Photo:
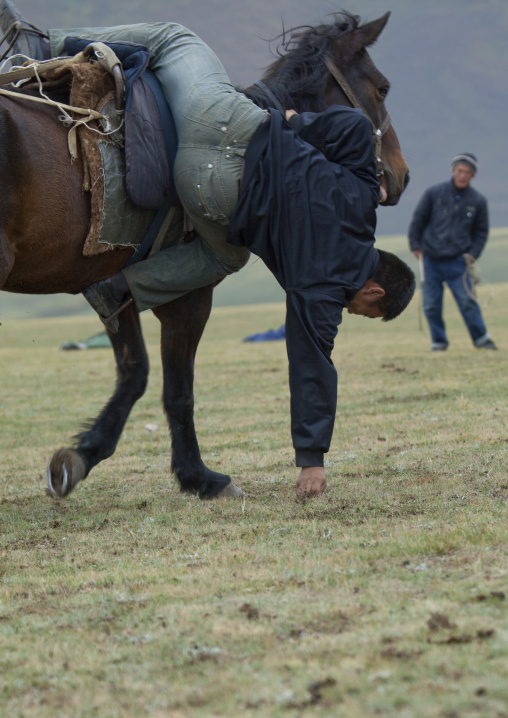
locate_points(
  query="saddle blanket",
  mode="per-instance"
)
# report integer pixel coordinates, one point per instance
(127, 165)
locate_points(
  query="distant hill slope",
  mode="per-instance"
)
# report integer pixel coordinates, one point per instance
(252, 285)
(447, 62)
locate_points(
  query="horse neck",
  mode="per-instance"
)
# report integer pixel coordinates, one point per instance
(301, 84)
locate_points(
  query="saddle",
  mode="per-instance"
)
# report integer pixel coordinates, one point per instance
(150, 133)
(127, 157)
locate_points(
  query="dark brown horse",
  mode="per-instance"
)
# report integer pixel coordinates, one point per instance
(44, 219)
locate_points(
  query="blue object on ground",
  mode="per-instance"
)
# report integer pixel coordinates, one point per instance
(269, 336)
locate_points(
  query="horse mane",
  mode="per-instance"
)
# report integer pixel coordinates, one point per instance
(298, 77)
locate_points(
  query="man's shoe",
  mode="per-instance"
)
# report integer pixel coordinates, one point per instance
(438, 347)
(489, 344)
(109, 297)
(19, 36)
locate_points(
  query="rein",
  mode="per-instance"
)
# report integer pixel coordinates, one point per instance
(89, 115)
(105, 57)
(270, 96)
(377, 132)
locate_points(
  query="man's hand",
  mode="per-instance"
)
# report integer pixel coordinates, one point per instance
(418, 253)
(469, 259)
(311, 482)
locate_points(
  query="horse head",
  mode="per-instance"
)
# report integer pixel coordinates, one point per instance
(329, 65)
(370, 87)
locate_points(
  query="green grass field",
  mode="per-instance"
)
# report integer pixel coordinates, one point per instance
(388, 596)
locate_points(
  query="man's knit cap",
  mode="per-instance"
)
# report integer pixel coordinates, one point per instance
(468, 159)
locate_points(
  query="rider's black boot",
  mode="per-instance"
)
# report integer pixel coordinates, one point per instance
(109, 297)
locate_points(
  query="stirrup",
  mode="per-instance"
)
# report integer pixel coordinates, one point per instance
(106, 320)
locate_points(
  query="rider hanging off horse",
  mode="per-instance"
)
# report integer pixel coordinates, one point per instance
(300, 191)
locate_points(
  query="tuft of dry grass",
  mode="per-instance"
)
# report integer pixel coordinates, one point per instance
(387, 596)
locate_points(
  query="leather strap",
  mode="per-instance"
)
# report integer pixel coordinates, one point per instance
(377, 132)
(271, 97)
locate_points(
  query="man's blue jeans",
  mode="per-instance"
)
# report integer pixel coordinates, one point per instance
(454, 273)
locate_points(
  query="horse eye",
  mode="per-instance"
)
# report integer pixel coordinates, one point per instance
(383, 91)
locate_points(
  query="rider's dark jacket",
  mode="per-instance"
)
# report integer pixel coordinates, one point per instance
(307, 208)
(448, 222)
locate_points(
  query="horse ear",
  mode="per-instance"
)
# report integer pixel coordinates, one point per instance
(367, 34)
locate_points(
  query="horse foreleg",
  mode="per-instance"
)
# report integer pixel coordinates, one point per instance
(182, 324)
(69, 466)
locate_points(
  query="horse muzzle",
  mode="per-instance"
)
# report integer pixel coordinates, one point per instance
(393, 186)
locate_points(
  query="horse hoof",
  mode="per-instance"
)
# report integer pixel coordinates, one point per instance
(230, 492)
(65, 470)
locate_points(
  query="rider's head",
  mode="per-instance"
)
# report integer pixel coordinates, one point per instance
(388, 292)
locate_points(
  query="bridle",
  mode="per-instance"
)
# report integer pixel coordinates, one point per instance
(377, 132)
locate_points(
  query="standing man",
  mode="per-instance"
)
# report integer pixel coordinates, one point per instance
(448, 231)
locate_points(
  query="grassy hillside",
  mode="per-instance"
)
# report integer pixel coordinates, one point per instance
(253, 285)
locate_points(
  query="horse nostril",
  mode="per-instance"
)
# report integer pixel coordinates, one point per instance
(406, 179)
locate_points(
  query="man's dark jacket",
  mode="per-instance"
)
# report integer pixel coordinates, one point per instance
(448, 222)
(307, 208)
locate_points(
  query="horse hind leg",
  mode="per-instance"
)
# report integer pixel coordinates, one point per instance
(70, 465)
(182, 325)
